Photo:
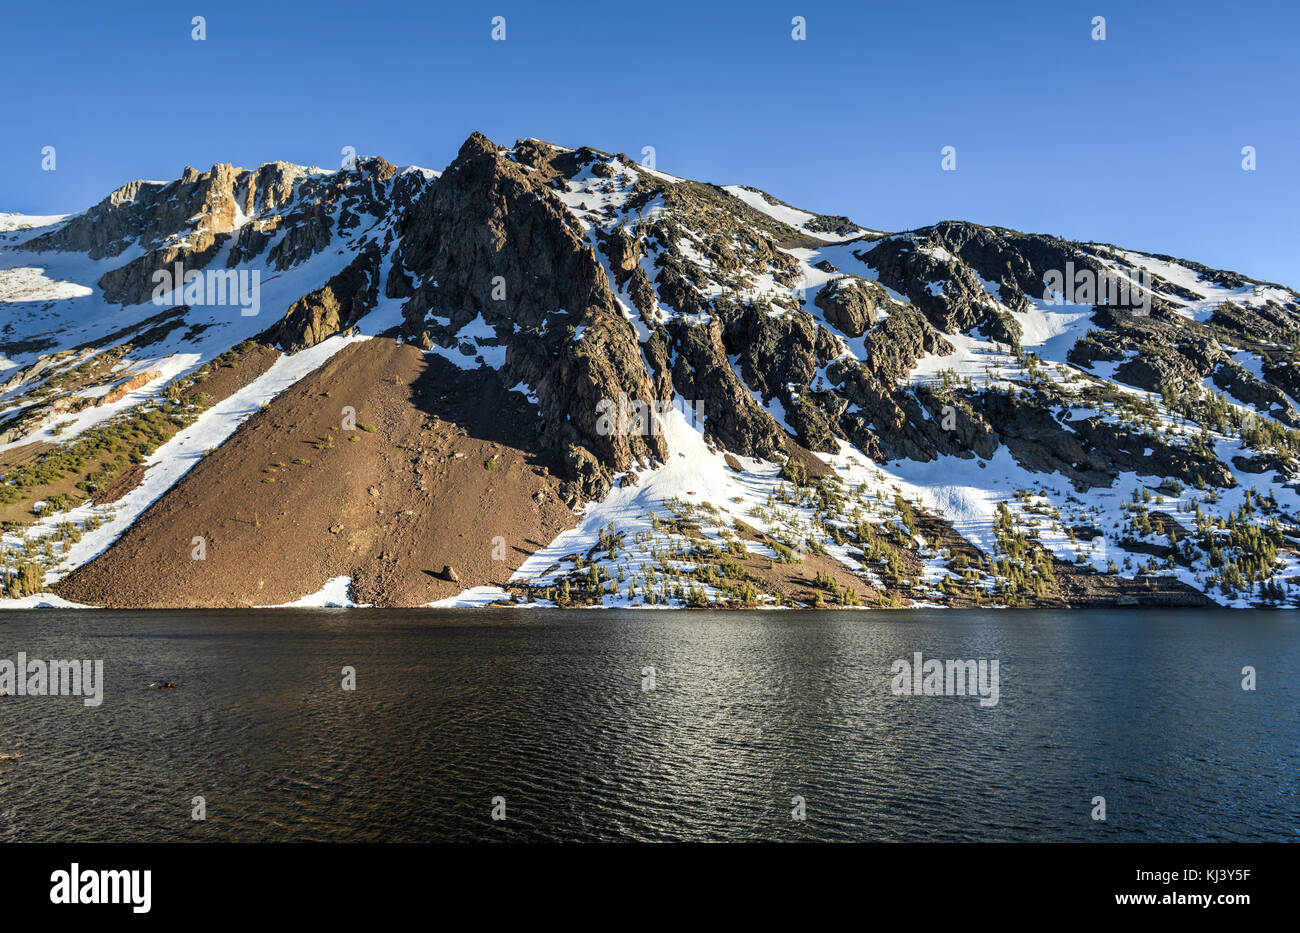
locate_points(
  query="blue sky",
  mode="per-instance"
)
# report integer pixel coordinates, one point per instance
(1135, 140)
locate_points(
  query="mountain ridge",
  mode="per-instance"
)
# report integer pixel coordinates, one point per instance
(833, 390)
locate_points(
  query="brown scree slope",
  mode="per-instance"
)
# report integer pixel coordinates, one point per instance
(388, 507)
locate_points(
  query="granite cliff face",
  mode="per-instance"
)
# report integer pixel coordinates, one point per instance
(955, 414)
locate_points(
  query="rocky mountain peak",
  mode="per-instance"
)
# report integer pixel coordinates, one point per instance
(981, 369)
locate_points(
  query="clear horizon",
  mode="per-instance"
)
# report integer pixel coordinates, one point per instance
(1135, 140)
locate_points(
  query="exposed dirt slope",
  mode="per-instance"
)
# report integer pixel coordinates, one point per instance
(291, 500)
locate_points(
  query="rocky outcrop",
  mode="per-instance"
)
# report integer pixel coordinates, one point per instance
(946, 290)
(703, 372)
(201, 204)
(490, 240)
(884, 421)
(340, 303)
(23, 422)
(849, 303)
(122, 389)
(189, 221)
(1234, 379)
(773, 350)
(1155, 365)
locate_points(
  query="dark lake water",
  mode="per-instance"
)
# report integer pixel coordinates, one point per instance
(547, 710)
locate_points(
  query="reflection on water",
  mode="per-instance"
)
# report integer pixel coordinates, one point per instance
(748, 710)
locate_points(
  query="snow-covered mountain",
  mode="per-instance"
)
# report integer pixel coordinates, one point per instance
(557, 376)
